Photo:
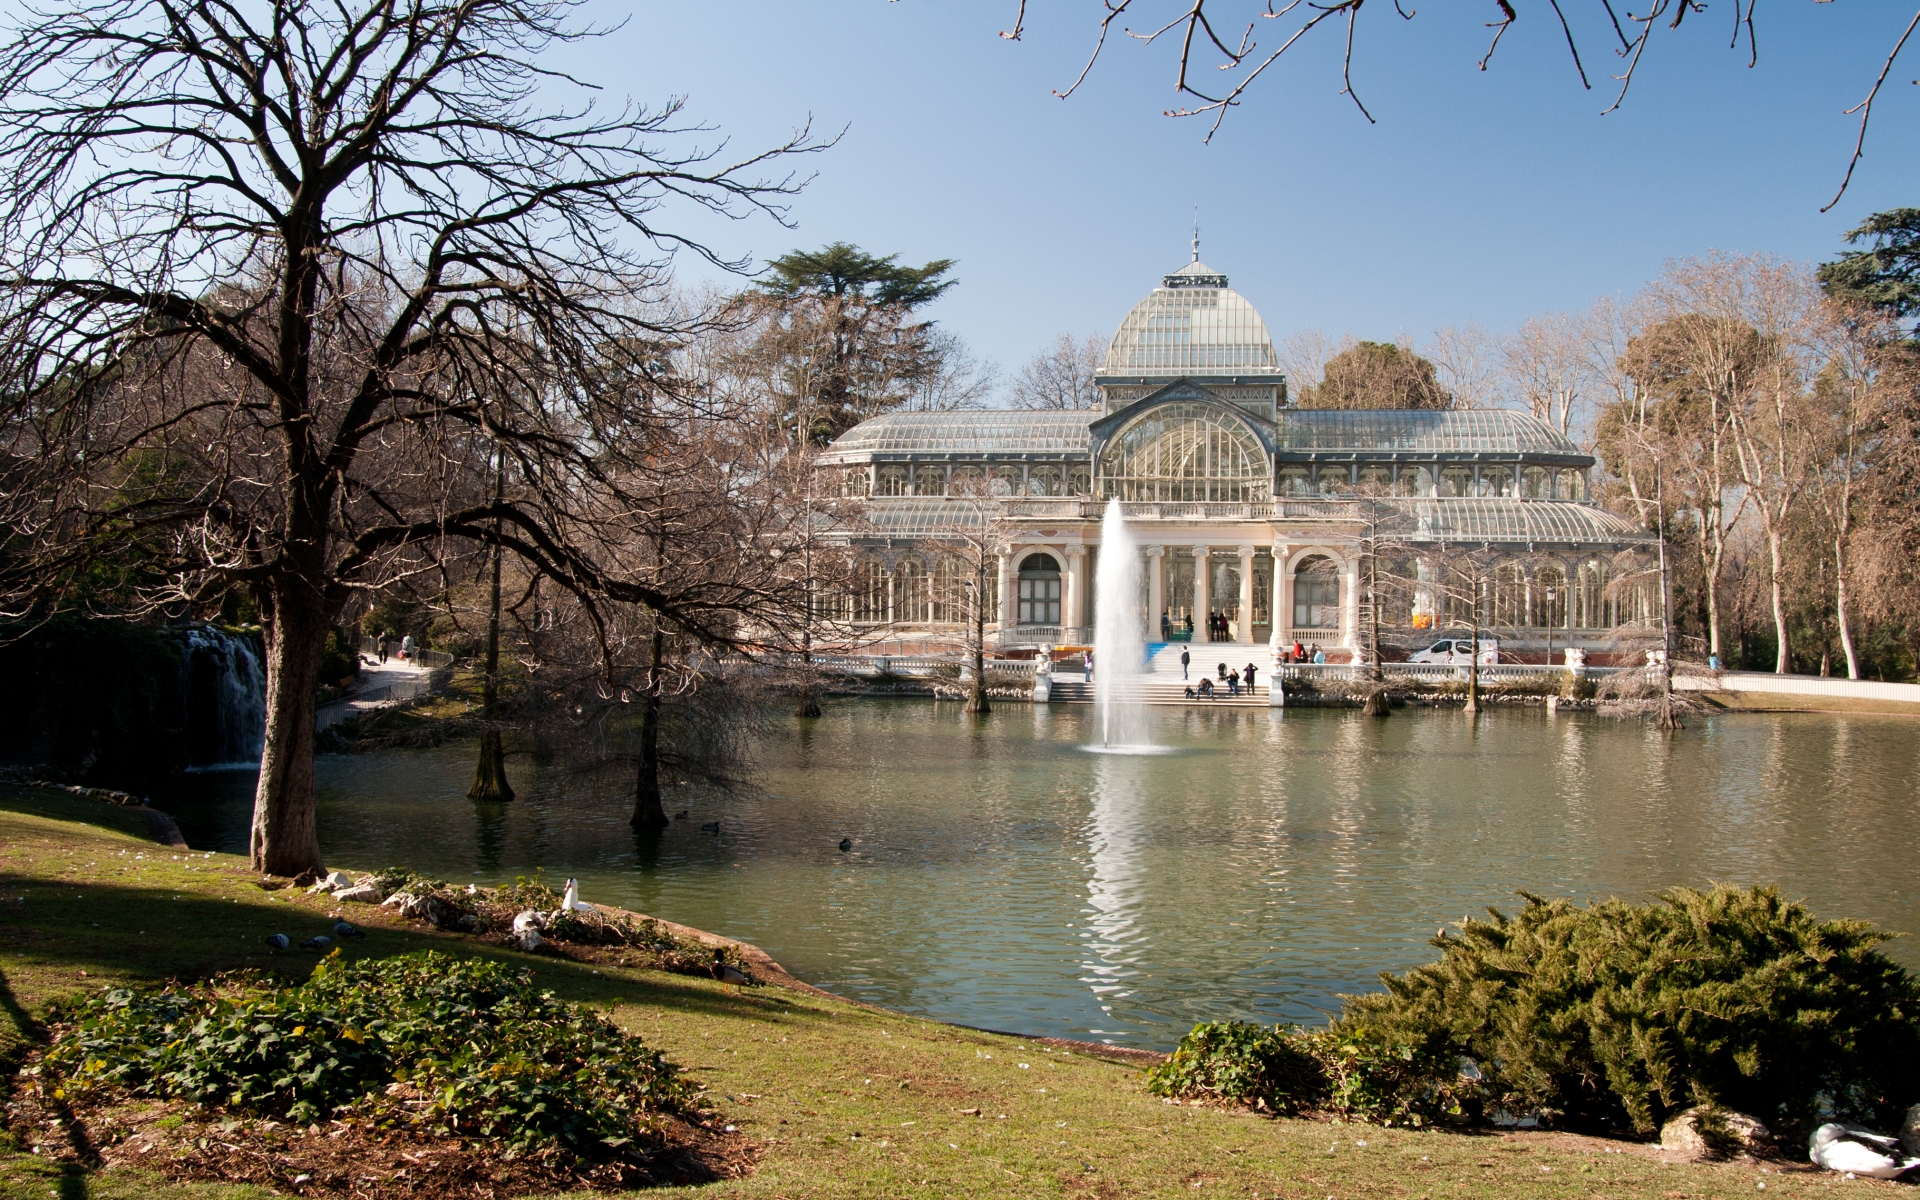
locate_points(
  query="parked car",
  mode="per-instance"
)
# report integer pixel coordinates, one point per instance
(1458, 652)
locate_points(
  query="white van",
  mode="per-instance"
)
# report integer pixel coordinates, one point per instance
(1458, 652)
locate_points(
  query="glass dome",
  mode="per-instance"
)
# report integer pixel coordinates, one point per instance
(1194, 324)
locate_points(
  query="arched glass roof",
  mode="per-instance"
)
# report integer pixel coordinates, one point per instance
(1461, 431)
(1472, 520)
(1193, 325)
(985, 433)
(1185, 451)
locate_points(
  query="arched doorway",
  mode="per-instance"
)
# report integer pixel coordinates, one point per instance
(1316, 593)
(1039, 592)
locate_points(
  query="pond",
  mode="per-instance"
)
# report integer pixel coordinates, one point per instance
(1003, 877)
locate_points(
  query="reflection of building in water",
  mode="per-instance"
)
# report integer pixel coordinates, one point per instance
(1249, 511)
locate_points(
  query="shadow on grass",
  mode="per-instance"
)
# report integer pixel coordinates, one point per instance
(137, 934)
(83, 810)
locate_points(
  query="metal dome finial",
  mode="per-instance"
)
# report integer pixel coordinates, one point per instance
(1196, 233)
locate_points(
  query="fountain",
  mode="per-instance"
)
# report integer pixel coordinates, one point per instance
(224, 693)
(1119, 647)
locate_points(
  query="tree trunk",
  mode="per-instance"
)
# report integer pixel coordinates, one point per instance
(1473, 660)
(648, 812)
(977, 694)
(1840, 607)
(1776, 567)
(809, 705)
(1668, 720)
(283, 840)
(490, 773)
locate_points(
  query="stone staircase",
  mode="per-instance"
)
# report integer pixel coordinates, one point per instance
(1162, 683)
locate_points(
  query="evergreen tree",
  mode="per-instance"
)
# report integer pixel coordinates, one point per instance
(843, 329)
(1887, 276)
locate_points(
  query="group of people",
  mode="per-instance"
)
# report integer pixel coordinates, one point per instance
(1219, 628)
(1205, 689)
(1299, 654)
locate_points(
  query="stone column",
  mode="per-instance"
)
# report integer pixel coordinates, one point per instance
(1074, 593)
(1245, 632)
(1156, 587)
(1202, 610)
(1282, 597)
(1007, 613)
(1350, 604)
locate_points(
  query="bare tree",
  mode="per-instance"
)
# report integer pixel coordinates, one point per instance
(1061, 376)
(1466, 359)
(384, 235)
(1848, 395)
(1550, 369)
(954, 379)
(1305, 353)
(966, 577)
(1226, 31)
(1693, 371)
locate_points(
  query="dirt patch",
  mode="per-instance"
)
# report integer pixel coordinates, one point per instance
(360, 1160)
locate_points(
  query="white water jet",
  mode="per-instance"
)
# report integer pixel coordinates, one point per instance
(1119, 644)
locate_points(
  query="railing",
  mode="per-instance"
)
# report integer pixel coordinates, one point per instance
(1028, 508)
(1046, 635)
(891, 664)
(1196, 511)
(1508, 672)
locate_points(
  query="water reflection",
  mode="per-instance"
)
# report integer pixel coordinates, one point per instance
(1119, 822)
(1000, 876)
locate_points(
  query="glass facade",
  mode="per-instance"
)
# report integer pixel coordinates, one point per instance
(1184, 452)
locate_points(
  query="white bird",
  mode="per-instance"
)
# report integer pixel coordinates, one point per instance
(526, 928)
(572, 902)
(532, 918)
(1858, 1151)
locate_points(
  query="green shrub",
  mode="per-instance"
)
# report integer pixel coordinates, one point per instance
(339, 657)
(1240, 1063)
(1372, 1076)
(1354, 1074)
(476, 1047)
(1618, 1015)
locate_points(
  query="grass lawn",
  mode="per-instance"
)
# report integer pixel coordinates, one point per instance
(843, 1100)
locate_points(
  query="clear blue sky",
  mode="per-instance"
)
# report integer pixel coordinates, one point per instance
(1477, 197)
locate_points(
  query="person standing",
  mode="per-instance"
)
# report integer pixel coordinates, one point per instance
(1089, 664)
(1319, 656)
(1248, 676)
(1233, 683)
(380, 646)
(1166, 626)
(406, 648)
(1185, 658)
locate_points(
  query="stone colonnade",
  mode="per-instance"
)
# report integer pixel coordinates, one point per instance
(1076, 612)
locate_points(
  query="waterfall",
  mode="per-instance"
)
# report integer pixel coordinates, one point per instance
(1119, 646)
(224, 695)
